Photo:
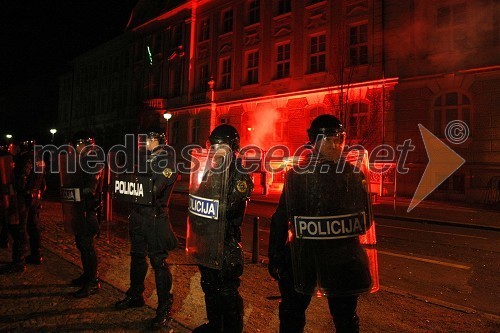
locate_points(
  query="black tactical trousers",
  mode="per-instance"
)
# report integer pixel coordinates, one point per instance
(28, 226)
(19, 240)
(293, 306)
(4, 232)
(223, 301)
(33, 228)
(85, 242)
(148, 238)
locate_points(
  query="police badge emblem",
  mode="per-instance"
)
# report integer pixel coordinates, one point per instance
(241, 186)
(167, 173)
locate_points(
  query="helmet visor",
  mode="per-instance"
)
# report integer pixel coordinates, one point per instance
(330, 147)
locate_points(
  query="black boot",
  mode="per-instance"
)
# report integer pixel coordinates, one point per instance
(79, 281)
(163, 279)
(130, 302)
(90, 288)
(161, 320)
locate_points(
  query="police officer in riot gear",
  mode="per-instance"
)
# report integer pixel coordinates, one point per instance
(224, 305)
(16, 227)
(151, 233)
(86, 226)
(4, 233)
(30, 184)
(302, 260)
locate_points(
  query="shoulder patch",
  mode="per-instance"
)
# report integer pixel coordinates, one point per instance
(167, 172)
(242, 186)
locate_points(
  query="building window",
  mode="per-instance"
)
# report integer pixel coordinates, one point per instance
(176, 36)
(283, 61)
(358, 120)
(175, 81)
(203, 77)
(252, 67)
(451, 30)
(155, 85)
(281, 127)
(227, 21)
(358, 45)
(175, 133)
(195, 130)
(317, 54)
(204, 30)
(253, 11)
(448, 107)
(284, 6)
(315, 111)
(225, 74)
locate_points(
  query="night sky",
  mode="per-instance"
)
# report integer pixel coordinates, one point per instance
(38, 39)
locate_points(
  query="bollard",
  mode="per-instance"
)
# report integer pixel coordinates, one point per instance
(255, 243)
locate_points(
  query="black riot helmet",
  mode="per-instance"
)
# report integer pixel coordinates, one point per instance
(83, 137)
(225, 134)
(155, 133)
(326, 125)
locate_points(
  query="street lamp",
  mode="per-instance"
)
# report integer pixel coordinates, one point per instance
(167, 115)
(9, 136)
(53, 131)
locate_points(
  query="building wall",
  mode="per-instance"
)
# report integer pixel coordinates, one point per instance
(447, 49)
(96, 95)
(382, 67)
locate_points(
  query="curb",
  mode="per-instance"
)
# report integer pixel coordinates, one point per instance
(440, 222)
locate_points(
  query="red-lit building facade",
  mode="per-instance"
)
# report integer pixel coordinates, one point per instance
(269, 67)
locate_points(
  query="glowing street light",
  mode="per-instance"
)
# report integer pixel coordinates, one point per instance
(53, 131)
(9, 136)
(167, 115)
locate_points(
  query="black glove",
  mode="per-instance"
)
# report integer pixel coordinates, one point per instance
(275, 268)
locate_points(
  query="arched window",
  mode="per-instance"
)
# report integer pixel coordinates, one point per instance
(448, 107)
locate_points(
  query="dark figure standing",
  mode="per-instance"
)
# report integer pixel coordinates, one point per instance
(6, 163)
(314, 236)
(30, 185)
(151, 233)
(220, 280)
(80, 215)
(16, 222)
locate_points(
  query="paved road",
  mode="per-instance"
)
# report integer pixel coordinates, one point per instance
(452, 266)
(38, 299)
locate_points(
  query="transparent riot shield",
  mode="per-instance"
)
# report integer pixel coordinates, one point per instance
(206, 222)
(359, 159)
(132, 188)
(73, 204)
(328, 212)
(8, 207)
